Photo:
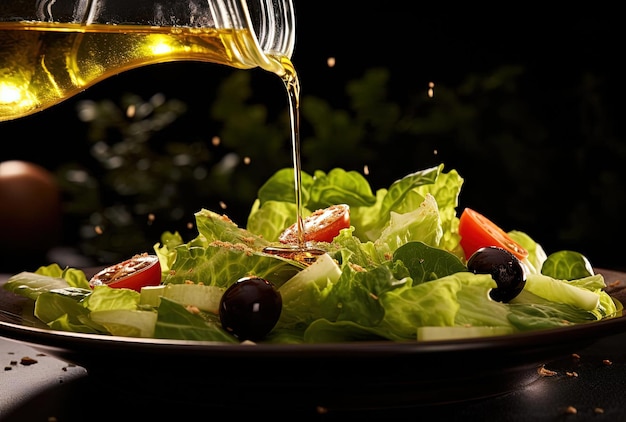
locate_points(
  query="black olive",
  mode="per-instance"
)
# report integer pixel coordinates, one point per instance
(504, 267)
(250, 308)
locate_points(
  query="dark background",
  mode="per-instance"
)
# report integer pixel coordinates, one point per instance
(541, 151)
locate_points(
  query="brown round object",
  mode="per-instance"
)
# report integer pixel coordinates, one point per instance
(30, 208)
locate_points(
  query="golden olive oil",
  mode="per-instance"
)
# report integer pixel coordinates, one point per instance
(42, 64)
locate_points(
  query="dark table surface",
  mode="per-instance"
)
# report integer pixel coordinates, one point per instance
(586, 384)
(590, 384)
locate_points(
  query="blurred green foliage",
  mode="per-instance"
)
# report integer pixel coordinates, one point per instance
(150, 169)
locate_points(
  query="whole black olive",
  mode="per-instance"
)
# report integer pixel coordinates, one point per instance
(250, 308)
(504, 267)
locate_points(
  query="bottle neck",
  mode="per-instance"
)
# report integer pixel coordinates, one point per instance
(273, 24)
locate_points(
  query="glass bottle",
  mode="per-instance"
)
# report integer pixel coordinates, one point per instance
(51, 50)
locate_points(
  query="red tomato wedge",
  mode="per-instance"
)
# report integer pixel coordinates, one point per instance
(134, 273)
(477, 231)
(321, 226)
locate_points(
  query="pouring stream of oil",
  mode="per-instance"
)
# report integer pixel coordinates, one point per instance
(43, 64)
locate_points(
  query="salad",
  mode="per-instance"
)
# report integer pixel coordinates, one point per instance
(399, 269)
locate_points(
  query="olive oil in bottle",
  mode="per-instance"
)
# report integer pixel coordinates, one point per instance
(42, 64)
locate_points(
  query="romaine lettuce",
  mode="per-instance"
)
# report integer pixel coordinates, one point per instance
(398, 273)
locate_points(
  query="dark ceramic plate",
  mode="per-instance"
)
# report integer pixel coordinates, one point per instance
(341, 376)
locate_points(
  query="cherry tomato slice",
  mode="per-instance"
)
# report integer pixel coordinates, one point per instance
(477, 231)
(134, 273)
(321, 226)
